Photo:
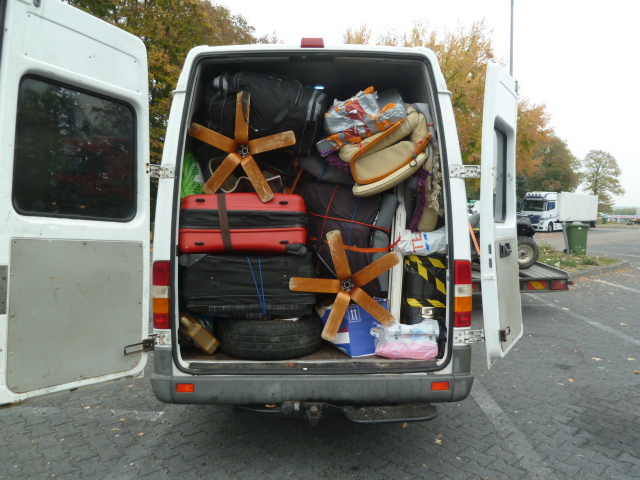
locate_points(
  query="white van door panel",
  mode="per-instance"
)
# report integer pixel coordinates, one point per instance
(74, 248)
(502, 311)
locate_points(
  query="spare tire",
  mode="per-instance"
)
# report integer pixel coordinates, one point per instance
(528, 252)
(269, 339)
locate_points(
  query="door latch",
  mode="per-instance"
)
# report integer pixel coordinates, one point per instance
(505, 250)
(147, 345)
(504, 334)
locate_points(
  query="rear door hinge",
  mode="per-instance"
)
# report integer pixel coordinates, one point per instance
(147, 345)
(464, 171)
(468, 336)
(161, 171)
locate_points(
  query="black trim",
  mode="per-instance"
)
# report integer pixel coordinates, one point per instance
(3, 9)
(242, 219)
(444, 165)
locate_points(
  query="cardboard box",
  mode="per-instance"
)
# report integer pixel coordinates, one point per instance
(354, 335)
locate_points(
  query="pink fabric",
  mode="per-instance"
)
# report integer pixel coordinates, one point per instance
(411, 350)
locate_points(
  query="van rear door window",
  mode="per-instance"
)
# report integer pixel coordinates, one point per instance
(74, 154)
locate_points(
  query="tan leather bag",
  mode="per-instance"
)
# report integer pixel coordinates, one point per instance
(382, 155)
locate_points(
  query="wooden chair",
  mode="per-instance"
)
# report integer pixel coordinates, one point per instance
(347, 285)
(241, 150)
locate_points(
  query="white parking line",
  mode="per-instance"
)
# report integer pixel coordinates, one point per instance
(42, 411)
(587, 320)
(617, 286)
(518, 443)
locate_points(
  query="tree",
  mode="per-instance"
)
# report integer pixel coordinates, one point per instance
(169, 29)
(554, 171)
(463, 54)
(599, 172)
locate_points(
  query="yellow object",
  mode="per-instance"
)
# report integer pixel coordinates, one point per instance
(192, 328)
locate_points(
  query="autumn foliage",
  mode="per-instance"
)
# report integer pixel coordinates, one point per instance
(463, 54)
(169, 29)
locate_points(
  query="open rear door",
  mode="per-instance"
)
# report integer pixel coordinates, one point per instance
(74, 200)
(499, 244)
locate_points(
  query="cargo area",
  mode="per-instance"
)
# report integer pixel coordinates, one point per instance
(413, 291)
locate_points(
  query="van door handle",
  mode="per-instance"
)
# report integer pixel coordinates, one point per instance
(505, 250)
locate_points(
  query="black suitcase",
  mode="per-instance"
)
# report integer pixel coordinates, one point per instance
(235, 286)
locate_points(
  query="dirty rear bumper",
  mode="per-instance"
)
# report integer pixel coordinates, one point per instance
(341, 389)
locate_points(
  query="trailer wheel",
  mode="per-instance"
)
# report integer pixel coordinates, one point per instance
(269, 339)
(528, 252)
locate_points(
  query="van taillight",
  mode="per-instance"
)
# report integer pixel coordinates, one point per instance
(160, 294)
(463, 290)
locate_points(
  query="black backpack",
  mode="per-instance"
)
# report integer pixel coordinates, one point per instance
(278, 104)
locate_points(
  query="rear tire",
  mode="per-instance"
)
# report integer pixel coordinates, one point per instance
(269, 339)
(528, 252)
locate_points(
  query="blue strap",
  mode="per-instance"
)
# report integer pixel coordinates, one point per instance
(259, 290)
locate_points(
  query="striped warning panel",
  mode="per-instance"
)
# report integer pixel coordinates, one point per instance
(425, 285)
(414, 302)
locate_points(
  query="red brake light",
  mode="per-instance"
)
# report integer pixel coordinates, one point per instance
(312, 43)
(161, 273)
(463, 290)
(558, 284)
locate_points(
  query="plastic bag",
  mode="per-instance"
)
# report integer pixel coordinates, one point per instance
(423, 243)
(192, 179)
(416, 342)
(359, 117)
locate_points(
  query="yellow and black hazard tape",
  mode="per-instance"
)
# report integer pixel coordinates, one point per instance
(428, 302)
(432, 269)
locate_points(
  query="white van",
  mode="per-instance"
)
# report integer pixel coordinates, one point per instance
(75, 292)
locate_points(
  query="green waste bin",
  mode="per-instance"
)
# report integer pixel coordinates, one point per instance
(576, 238)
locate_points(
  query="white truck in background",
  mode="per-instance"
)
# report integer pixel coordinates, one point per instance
(548, 210)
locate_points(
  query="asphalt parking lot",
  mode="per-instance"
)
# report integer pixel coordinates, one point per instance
(564, 404)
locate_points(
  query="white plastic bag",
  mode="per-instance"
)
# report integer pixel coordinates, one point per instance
(423, 243)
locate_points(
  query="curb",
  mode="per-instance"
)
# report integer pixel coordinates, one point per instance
(598, 270)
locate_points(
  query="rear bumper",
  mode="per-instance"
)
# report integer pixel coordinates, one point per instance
(346, 389)
(336, 389)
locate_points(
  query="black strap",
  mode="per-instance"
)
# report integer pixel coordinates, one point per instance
(224, 223)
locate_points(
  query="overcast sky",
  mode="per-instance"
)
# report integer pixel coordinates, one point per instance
(579, 57)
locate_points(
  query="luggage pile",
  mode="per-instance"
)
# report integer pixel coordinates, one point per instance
(288, 209)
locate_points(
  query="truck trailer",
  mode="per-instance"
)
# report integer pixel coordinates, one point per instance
(549, 210)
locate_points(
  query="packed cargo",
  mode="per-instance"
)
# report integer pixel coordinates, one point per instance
(311, 246)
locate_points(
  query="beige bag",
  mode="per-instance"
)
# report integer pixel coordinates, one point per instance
(383, 155)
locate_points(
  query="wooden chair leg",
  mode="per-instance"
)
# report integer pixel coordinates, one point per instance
(223, 172)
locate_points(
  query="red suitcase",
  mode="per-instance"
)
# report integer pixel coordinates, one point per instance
(241, 223)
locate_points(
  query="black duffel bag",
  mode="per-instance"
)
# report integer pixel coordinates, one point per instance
(278, 104)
